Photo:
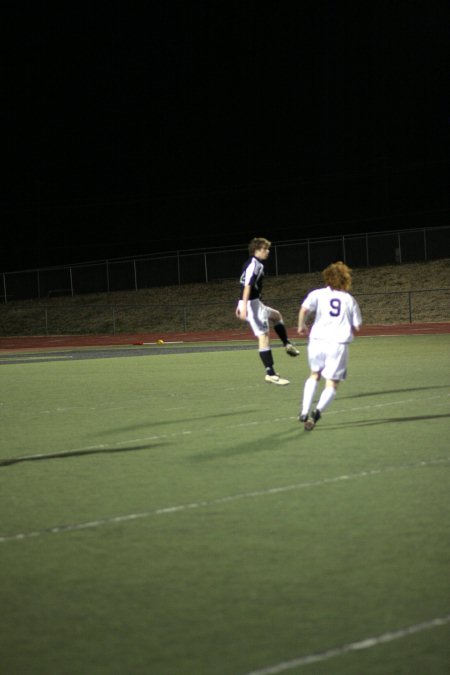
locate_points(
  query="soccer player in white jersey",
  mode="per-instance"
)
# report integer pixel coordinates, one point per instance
(337, 317)
(251, 309)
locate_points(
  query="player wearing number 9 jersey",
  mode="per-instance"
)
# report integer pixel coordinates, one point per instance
(337, 317)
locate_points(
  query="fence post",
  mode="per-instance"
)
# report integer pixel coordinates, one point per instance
(114, 319)
(46, 319)
(107, 275)
(71, 281)
(184, 320)
(4, 288)
(135, 275)
(410, 306)
(398, 250)
(206, 268)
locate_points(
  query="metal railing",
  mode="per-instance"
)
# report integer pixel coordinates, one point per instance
(200, 266)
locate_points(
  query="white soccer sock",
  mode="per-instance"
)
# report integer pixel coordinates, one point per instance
(326, 397)
(308, 394)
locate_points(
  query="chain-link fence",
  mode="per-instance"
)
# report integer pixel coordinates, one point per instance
(377, 308)
(200, 266)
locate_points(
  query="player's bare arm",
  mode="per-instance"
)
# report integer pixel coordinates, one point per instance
(302, 327)
(241, 312)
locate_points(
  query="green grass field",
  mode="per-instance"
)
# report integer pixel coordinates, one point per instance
(168, 515)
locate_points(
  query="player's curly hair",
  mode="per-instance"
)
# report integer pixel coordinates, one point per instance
(258, 242)
(338, 276)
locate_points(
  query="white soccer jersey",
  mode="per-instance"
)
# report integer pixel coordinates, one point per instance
(337, 312)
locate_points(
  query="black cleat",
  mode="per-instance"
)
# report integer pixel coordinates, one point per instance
(315, 417)
(302, 418)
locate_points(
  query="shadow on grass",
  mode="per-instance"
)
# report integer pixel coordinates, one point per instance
(395, 391)
(71, 453)
(178, 420)
(384, 420)
(271, 443)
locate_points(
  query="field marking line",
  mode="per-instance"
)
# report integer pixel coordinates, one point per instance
(367, 643)
(11, 359)
(87, 449)
(187, 432)
(6, 461)
(131, 404)
(219, 500)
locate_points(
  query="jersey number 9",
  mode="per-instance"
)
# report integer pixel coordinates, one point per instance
(335, 304)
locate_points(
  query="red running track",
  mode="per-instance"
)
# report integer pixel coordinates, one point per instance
(66, 341)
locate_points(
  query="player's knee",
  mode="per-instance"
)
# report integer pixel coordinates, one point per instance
(275, 316)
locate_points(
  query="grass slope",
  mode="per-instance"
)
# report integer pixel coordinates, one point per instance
(383, 293)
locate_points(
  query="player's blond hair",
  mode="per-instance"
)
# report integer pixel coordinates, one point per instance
(338, 276)
(258, 242)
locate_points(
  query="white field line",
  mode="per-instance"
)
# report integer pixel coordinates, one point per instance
(106, 408)
(10, 360)
(132, 404)
(220, 500)
(441, 398)
(367, 643)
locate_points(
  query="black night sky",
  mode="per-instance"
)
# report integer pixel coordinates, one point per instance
(136, 127)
